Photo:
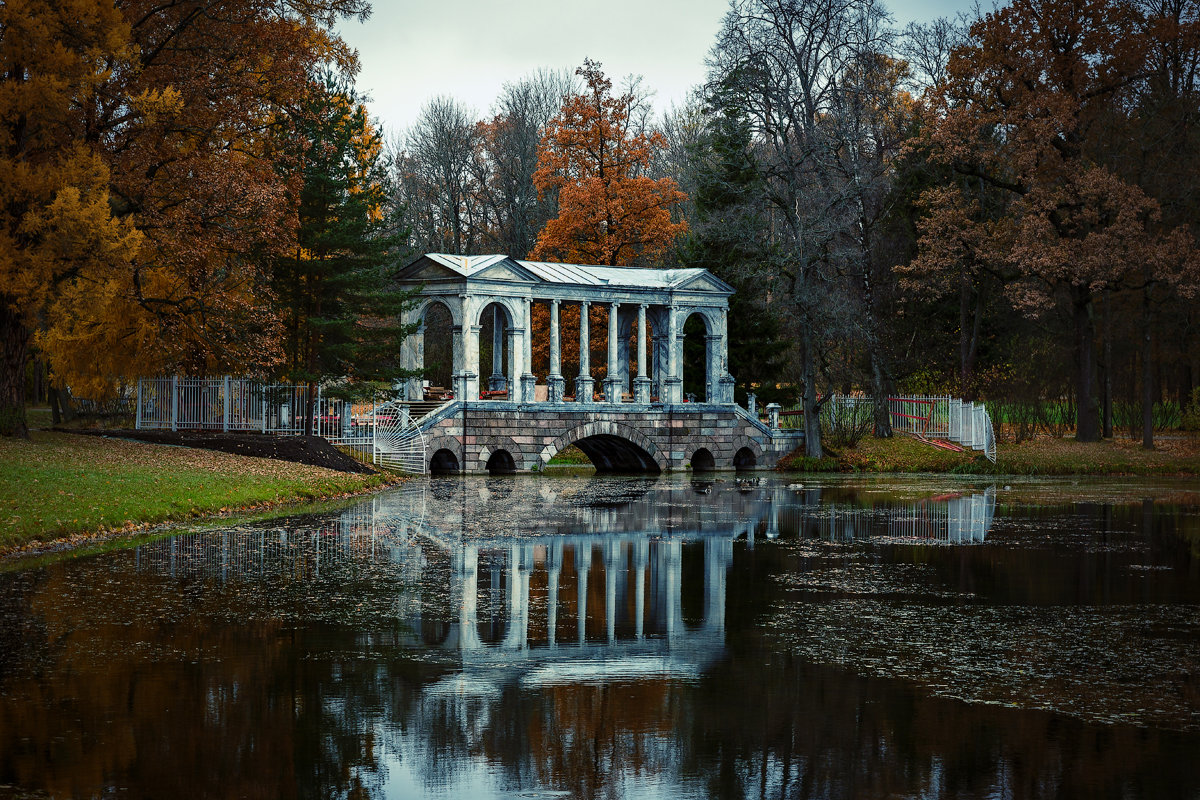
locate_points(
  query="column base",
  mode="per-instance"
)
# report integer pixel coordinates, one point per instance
(555, 386)
(497, 383)
(725, 389)
(641, 389)
(528, 382)
(583, 389)
(672, 390)
(612, 390)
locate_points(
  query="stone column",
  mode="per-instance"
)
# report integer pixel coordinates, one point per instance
(415, 347)
(612, 381)
(713, 367)
(671, 390)
(584, 383)
(524, 364)
(642, 384)
(555, 381)
(497, 381)
(725, 382)
(467, 384)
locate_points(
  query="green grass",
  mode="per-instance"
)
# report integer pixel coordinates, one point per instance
(571, 455)
(1043, 456)
(58, 485)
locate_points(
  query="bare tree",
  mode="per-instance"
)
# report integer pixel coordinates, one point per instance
(506, 158)
(781, 63)
(437, 179)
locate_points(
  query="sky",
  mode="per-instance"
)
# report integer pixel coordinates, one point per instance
(413, 50)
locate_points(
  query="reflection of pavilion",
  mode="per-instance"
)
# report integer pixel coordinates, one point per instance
(607, 605)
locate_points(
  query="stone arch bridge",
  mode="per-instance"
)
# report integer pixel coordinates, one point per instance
(500, 437)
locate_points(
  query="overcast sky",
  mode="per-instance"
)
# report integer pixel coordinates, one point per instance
(411, 51)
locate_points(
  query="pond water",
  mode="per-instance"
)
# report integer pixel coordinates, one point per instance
(623, 637)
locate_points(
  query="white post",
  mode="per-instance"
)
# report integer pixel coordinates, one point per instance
(175, 402)
(225, 407)
(138, 412)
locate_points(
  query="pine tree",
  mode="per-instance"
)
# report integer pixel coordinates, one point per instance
(342, 312)
(731, 239)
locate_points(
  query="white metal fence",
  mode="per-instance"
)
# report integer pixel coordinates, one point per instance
(368, 430)
(929, 416)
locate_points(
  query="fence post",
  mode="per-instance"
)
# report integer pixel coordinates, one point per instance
(137, 425)
(264, 408)
(175, 402)
(225, 399)
(773, 414)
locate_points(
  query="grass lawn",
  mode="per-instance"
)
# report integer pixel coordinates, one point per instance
(57, 485)
(1043, 456)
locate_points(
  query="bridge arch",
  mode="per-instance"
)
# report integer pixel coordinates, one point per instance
(745, 453)
(611, 447)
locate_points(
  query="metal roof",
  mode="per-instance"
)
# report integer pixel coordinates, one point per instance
(576, 274)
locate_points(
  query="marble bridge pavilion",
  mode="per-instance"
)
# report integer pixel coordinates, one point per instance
(638, 421)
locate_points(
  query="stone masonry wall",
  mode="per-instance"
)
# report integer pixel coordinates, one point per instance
(533, 434)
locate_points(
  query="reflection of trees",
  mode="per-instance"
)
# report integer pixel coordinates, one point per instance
(138, 676)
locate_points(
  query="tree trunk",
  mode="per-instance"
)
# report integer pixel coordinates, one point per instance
(15, 338)
(881, 389)
(812, 411)
(1108, 366)
(310, 402)
(1087, 422)
(1147, 370)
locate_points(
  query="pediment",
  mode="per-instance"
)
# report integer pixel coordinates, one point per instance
(427, 271)
(705, 282)
(508, 271)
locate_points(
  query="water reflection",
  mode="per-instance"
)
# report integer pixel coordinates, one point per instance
(606, 638)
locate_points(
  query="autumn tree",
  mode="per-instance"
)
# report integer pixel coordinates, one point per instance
(61, 247)
(142, 141)
(1023, 111)
(609, 210)
(341, 313)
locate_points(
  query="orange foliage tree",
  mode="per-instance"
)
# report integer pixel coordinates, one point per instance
(144, 182)
(610, 211)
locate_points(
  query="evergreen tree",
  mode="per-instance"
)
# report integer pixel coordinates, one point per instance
(341, 310)
(731, 239)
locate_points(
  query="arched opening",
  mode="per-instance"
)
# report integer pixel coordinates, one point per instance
(610, 454)
(703, 461)
(444, 462)
(437, 348)
(696, 357)
(744, 459)
(496, 380)
(501, 463)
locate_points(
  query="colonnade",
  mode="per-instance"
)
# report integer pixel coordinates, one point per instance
(659, 350)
